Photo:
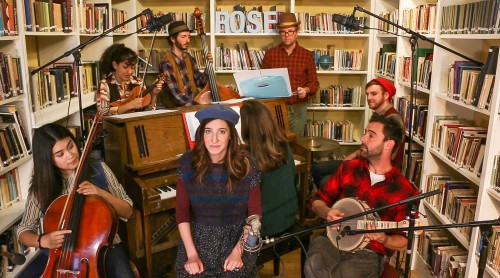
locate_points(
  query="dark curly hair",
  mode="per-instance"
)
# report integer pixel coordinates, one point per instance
(117, 52)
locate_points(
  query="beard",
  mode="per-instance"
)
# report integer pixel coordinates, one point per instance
(180, 46)
(371, 152)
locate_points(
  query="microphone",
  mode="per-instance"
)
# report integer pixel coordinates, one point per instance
(15, 258)
(343, 232)
(349, 22)
(155, 23)
(254, 241)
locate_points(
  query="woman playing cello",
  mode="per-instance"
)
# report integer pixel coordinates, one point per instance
(55, 159)
(115, 95)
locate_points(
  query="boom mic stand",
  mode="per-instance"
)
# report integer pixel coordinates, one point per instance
(346, 218)
(413, 42)
(484, 226)
(76, 52)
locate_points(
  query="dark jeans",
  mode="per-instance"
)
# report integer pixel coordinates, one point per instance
(321, 171)
(324, 261)
(116, 262)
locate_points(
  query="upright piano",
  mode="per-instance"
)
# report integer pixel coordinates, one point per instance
(143, 148)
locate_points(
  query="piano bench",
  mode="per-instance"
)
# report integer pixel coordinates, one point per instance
(274, 251)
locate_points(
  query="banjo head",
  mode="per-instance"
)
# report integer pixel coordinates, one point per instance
(348, 206)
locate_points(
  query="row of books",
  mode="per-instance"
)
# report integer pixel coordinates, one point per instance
(11, 84)
(385, 61)
(471, 83)
(392, 16)
(344, 59)
(480, 17)
(418, 117)
(14, 142)
(462, 144)
(10, 243)
(341, 131)
(9, 189)
(493, 250)
(49, 15)
(457, 201)
(421, 18)
(443, 259)
(59, 83)
(414, 163)
(187, 17)
(424, 58)
(8, 18)
(338, 96)
(323, 23)
(94, 17)
(495, 174)
(118, 17)
(240, 58)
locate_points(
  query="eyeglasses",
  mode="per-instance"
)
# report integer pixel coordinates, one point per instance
(287, 33)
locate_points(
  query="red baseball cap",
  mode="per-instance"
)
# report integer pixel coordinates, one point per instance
(388, 86)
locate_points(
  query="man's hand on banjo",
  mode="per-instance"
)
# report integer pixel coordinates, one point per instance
(332, 215)
(380, 237)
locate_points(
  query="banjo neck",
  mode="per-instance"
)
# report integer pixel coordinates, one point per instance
(377, 224)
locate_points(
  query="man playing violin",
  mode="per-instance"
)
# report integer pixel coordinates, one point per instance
(116, 95)
(301, 70)
(373, 179)
(184, 79)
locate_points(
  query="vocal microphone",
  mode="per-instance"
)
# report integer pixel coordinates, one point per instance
(343, 232)
(155, 23)
(15, 258)
(254, 241)
(348, 22)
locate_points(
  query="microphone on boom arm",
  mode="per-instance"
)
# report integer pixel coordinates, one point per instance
(349, 22)
(15, 258)
(155, 23)
(254, 241)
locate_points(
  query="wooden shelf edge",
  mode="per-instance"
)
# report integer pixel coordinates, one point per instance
(11, 215)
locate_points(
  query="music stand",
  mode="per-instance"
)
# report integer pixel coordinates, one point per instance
(414, 36)
(76, 52)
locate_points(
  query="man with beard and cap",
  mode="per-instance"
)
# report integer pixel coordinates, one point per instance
(379, 94)
(183, 78)
(301, 70)
(373, 179)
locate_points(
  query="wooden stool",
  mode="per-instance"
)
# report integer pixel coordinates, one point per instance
(274, 251)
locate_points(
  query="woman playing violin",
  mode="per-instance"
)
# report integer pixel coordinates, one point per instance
(117, 64)
(55, 159)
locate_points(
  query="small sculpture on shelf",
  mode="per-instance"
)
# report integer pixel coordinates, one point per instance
(325, 62)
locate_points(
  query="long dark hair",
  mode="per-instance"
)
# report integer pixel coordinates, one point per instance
(268, 144)
(236, 161)
(47, 180)
(118, 53)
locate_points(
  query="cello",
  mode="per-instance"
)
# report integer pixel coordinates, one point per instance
(213, 91)
(92, 221)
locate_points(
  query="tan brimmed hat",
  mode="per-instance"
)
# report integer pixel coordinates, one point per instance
(176, 27)
(288, 20)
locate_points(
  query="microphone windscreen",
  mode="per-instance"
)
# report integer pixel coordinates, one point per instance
(341, 19)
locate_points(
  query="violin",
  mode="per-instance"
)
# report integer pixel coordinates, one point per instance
(139, 91)
(213, 91)
(93, 224)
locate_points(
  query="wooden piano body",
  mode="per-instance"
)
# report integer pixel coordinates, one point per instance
(143, 149)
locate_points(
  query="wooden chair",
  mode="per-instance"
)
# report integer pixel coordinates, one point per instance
(275, 251)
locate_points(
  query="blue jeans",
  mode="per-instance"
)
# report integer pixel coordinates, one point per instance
(116, 263)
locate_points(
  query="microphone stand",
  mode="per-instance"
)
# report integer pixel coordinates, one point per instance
(76, 52)
(484, 226)
(414, 36)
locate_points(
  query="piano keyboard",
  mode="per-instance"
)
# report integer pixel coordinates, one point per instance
(166, 191)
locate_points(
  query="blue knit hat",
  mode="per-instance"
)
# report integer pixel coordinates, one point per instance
(218, 111)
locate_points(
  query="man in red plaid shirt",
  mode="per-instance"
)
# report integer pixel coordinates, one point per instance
(372, 178)
(301, 70)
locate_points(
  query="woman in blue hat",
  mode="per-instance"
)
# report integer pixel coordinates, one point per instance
(217, 189)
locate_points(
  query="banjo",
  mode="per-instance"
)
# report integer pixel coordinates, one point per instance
(351, 206)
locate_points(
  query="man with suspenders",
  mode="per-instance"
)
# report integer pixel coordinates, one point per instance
(183, 78)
